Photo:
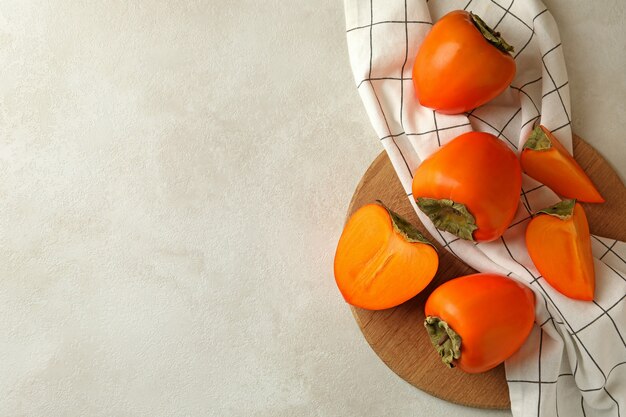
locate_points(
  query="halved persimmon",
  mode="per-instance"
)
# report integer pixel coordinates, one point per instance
(559, 244)
(545, 159)
(382, 260)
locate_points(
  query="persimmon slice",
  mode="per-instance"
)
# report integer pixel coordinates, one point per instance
(382, 260)
(545, 159)
(559, 245)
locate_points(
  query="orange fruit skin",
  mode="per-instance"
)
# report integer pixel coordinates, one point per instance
(493, 314)
(478, 170)
(558, 170)
(456, 69)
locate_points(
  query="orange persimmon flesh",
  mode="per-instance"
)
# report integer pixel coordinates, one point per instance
(545, 159)
(381, 260)
(559, 245)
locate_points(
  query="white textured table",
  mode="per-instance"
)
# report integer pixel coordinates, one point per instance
(174, 179)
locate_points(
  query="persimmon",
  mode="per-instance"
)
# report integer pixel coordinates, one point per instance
(477, 321)
(382, 260)
(461, 64)
(470, 187)
(559, 244)
(545, 159)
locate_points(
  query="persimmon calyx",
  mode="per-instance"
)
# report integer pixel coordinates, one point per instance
(538, 140)
(445, 340)
(563, 210)
(449, 216)
(406, 229)
(491, 35)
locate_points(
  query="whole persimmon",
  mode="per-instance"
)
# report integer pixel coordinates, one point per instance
(461, 64)
(470, 187)
(477, 321)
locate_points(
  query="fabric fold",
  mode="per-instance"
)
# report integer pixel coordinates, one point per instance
(574, 362)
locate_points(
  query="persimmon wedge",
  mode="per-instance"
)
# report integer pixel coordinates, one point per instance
(382, 260)
(470, 187)
(545, 159)
(559, 244)
(477, 321)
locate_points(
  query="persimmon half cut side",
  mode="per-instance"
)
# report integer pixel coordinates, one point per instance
(382, 260)
(477, 321)
(559, 245)
(545, 159)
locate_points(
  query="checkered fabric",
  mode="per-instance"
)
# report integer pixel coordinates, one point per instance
(574, 362)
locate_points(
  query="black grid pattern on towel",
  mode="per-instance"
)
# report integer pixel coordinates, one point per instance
(551, 307)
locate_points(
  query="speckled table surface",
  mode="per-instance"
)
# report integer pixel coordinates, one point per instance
(174, 179)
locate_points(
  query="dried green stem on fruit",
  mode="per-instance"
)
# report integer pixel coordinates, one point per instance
(563, 210)
(538, 140)
(491, 35)
(406, 229)
(449, 216)
(445, 340)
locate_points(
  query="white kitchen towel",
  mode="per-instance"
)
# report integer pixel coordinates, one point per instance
(574, 362)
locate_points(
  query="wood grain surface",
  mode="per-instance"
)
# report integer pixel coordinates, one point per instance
(397, 334)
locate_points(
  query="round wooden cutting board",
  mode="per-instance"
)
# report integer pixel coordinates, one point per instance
(397, 334)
